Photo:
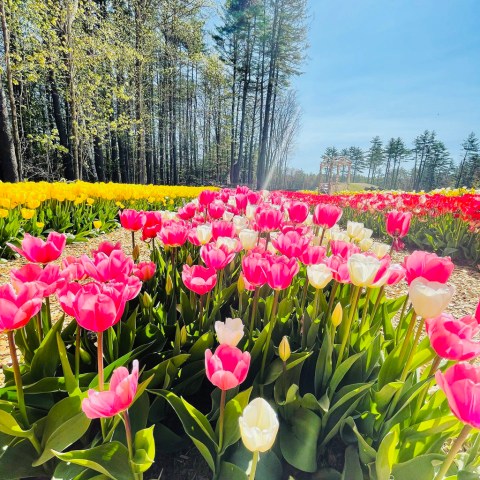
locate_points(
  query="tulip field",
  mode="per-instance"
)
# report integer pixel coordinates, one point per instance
(260, 333)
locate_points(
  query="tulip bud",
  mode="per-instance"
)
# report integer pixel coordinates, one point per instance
(240, 285)
(136, 253)
(183, 336)
(284, 350)
(189, 260)
(147, 300)
(169, 285)
(337, 315)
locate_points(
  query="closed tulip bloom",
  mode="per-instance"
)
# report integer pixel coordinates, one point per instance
(173, 234)
(241, 200)
(204, 233)
(227, 367)
(206, 197)
(284, 350)
(268, 219)
(365, 244)
(229, 332)
(255, 267)
(217, 257)
(97, 307)
(153, 224)
(144, 270)
(339, 268)
(199, 279)
(66, 296)
(363, 269)
(313, 255)
(221, 228)
(380, 249)
(461, 385)
(187, 212)
(326, 215)
(240, 223)
(337, 315)
(248, 238)
(18, 307)
(319, 275)
(429, 299)
(281, 272)
(46, 280)
(258, 426)
(118, 398)
(355, 229)
(298, 211)
(291, 244)
(216, 209)
(343, 249)
(398, 223)
(453, 338)
(132, 219)
(36, 250)
(427, 265)
(250, 211)
(232, 244)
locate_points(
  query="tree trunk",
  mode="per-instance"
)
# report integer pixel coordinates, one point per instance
(8, 160)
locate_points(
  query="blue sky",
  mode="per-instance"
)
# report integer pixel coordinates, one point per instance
(388, 68)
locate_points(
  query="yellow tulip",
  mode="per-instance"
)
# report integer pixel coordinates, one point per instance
(97, 224)
(3, 213)
(40, 224)
(27, 214)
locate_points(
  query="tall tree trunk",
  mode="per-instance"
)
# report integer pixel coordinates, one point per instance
(8, 160)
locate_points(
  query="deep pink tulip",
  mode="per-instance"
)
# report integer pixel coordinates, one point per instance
(343, 249)
(36, 250)
(243, 189)
(216, 209)
(132, 219)
(298, 211)
(241, 201)
(453, 338)
(281, 272)
(66, 296)
(382, 275)
(153, 225)
(461, 385)
(300, 229)
(118, 398)
(268, 219)
(18, 307)
(46, 280)
(427, 265)
(216, 257)
(144, 270)
(73, 269)
(192, 237)
(199, 279)
(173, 234)
(313, 255)
(291, 244)
(108, 268)
(206, 197)
(326, 215)
(107, 248)
(339, 268)
(398, 223)
(97, 306)
(396, 273)
(254, 198)
(187, 212)
(255, 267)
(227, 367)
(221, 228)
(477, 313)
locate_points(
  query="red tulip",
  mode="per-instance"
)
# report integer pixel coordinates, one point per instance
(107, 268)
(221, 228)
(153, 225)
(144, 270)
(313, 255)
(461, 385)
(118, 398)
(255, 267)
(281, 272)
(37, 251)
(227, 367)
(46, 280)
(206, 197)
(326, 215)
(298, 211)
(199, 279)
(427, 265)
(132, 219)
(173, 234)
(17, 308)
(343, 249)
(216, 257)
(453, 339)
(291, 244)
(268, 219)
(398, 223)
(254, 197)
(241, 200)
(97, 307)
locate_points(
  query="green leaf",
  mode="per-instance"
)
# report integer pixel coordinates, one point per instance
(232, 472)
(298, 439)
(10, 426)
(366, 451)
(341, 371)
(386, 455)
(418, 467)
(275, 369)
(144, 447)
(383, 397)
(16, 461)
(64, 425)
(70, 380)
(352, 469)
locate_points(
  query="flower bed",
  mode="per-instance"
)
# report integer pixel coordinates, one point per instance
(259, 331)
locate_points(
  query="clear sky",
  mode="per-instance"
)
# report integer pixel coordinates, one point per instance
(391, 68)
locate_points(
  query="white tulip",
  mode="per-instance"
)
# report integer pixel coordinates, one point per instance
(354, 229)
(229, 332)
(250, 211)
(362, 269)
(339, 236)
(258, 426)
(240, 223)
(319, 275)
(429, 299)
(204, 233)
(227, 216)
(380, 249)
(365, 244)
(248, 238)
(309, 220)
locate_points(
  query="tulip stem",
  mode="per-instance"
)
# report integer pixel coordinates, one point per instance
(18, 379)
(133, 241)
(100, 360)
(421, 398)
(253, 315)
(377, 301)
(323, 234)
(408, 336)
(77, 352)
(271, 326)
(38, 320)
(331, 299)
(365, 311)
(221, 418)
(457, 445)
(408, 363)
(401, 320)
(200, 301)
(128, 435)
(351, 313)
(49, 314)
(256, 454)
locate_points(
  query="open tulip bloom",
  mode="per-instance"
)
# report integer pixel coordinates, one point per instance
(36, 250)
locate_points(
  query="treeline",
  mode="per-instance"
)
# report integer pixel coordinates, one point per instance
(426, 165)
(139, 91)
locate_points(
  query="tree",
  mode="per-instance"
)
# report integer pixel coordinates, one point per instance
(469, 169)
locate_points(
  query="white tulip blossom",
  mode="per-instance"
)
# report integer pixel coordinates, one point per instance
(229, 332)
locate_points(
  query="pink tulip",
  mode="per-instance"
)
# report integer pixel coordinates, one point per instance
(206, 197)
(312, 255)
(132, 220)
(144, 270)
(298, 211)
(97, 307)
(254, 197)
(153, 224)
(37, 251)
(66, 296)
(221, 228)
(107, 248)
(241, 201)
(199, 279)
(108, 268)
(291, 244)
(339, 268)
(127, 286)
(398, 223)
(453, 339)
(396, 273)
(461, 385)
(46, 280)
(17, 308)
(227, 367)
(216, 209)
(268, 219)
(255, 267)
(118, 398)
(477, 313)
(73, 269)
(326, 215)
(187, 212)
(427, 265)
(173, 234)
(343, 249)
(281, 272)
(216, 257)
